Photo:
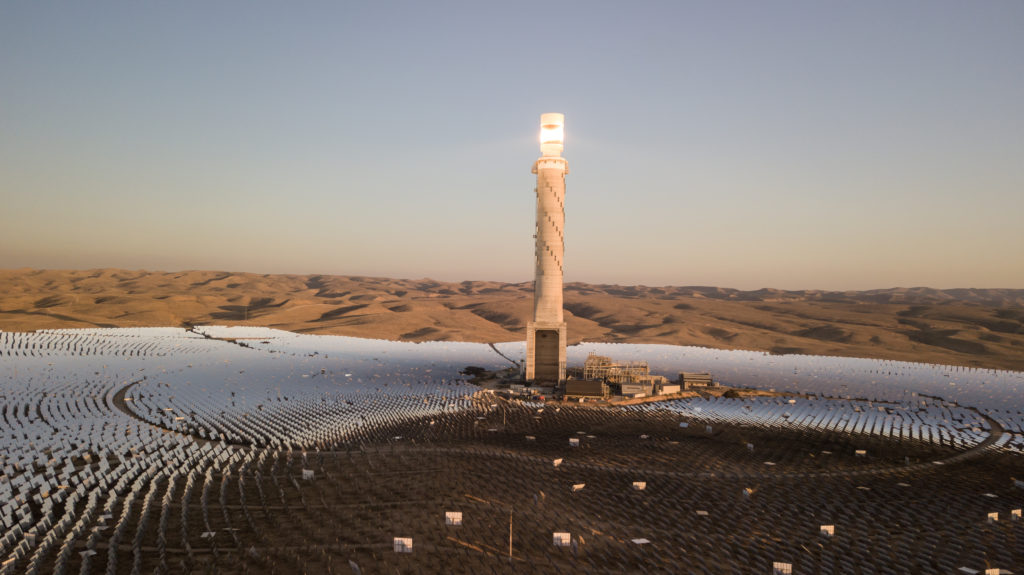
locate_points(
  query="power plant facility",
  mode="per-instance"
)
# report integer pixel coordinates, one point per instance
(545, 335)
(602, 377)
(545, 365)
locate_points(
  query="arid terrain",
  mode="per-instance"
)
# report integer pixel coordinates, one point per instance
(972, 327)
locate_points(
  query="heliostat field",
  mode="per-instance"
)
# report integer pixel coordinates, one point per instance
(235, 450)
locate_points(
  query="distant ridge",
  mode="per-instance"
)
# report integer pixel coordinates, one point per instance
(967, 326)
(916, 295)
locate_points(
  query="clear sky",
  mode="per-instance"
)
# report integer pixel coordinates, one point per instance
(797, 145)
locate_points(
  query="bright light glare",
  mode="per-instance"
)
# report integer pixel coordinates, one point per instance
(552, 134)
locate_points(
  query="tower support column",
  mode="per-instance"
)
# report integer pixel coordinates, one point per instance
(546, 334)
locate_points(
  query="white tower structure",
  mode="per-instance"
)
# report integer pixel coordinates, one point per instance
(545, 335)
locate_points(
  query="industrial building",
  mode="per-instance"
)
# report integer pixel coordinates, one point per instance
(620, 372)
(689, 380)
(586, 389)
(621, 378)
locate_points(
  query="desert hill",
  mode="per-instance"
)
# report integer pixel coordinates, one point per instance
(974, 327)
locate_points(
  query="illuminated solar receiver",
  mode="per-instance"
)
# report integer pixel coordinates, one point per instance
(552, 134)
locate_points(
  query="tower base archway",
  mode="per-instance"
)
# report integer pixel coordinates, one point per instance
(545, 352)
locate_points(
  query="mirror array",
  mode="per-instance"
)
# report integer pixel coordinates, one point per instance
(998, 394)
(255, 450)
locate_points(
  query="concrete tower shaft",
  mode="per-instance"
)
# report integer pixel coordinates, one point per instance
(546, 334)
(550, 243)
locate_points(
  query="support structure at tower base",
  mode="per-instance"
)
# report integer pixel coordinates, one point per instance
(545, 352)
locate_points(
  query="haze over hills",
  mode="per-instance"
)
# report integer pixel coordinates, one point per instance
(974, 327)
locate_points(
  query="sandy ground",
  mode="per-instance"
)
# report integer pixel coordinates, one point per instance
(974, 327)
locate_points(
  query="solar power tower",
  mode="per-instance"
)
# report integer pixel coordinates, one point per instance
(545, 335)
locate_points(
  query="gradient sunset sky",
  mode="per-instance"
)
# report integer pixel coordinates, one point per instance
(794, 145)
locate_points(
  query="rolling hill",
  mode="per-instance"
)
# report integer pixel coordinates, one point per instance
(972, 327)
